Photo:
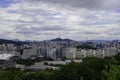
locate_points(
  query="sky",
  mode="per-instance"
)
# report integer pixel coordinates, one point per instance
(47, 19)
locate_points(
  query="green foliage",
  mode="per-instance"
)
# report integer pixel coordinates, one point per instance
(45, 63)
(12, 74)
(90, 69)
(112, 74)
(68, 72)
(56, 65)
(27, 62)
(117, 57)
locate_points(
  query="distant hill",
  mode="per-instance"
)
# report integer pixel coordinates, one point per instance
(18, 42)
(27, 41)
(59, 39)
(6, 41)
(97, 41)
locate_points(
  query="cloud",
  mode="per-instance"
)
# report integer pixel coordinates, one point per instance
(89, 4)
(46, 19)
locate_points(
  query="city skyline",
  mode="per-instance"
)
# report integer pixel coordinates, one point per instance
(47, 19)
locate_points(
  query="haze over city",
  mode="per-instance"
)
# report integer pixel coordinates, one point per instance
(47, 19)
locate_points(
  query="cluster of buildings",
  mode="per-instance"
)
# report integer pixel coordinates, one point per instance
(56, 50)
(7, 48)
(59, 50)
(7, 52)
(78, 53)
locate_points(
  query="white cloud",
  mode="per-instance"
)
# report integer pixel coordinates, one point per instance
(46, 20)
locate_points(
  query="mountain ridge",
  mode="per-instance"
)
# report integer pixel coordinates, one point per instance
(60, 39)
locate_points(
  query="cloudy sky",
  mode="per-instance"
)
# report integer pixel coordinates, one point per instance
(47, 19)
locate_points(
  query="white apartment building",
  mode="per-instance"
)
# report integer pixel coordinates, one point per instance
(70, 53)
(51, 53)
(73, 53)
(100, 53)
(28, 53)
(80, 53)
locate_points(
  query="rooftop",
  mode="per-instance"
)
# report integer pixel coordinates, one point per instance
(6, 56)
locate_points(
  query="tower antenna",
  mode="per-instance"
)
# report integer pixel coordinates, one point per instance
(59, 36)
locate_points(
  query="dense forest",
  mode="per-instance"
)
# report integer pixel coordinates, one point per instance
(91, 68)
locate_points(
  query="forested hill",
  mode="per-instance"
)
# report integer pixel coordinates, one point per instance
(11, 41)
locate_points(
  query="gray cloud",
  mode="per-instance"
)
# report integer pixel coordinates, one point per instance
(75, 19)
(89, 4)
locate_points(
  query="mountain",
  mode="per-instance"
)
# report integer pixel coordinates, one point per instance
(6, 41)
(16, 40)
(27, 41)
(97, 41)
(59, 39)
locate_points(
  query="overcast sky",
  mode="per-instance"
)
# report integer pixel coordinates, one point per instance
(47, 19)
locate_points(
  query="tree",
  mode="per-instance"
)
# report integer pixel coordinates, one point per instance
(117, 57)
(112, 74)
